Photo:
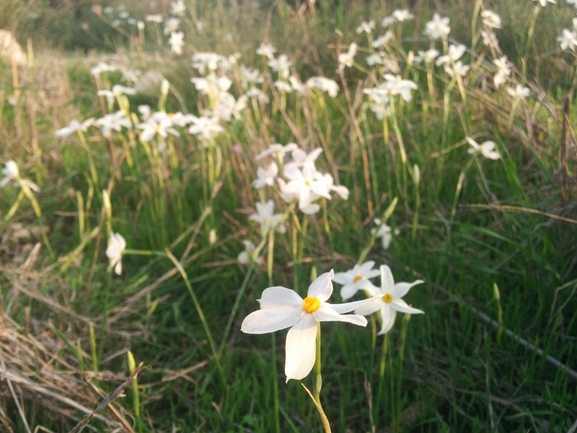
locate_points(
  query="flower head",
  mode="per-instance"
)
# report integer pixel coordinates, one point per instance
(116, 246)
(437, 28)
(347, 59)
(356, 279)
(74, 126)
(282, 308)
(384, 232)
(366, 27)
(266, 176)
(388, 299)
(487, 149)
(267, 219)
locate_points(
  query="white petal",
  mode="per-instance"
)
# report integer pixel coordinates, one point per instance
(322, 287)
(348, 291)
(270, 320)
(327, 314)
(118, 267)
(387, 282)
(369, 306)
(365, 267)
(388, 316)
(403, 307)
(401, 289)
(300, 348)
(280, 298)
(343, 278)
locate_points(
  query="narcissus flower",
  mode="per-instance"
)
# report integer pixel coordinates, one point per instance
(356, 279)
(282, 308)
(74, 126)
(116, 246)
(388, 300)
(487, 149)
(267, 219)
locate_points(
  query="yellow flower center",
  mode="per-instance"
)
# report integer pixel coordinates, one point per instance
(388, 298)
(310, 305)
(307, 183)
(358, 278)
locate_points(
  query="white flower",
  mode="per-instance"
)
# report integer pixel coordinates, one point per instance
(458, 68)
(204, 126)
(113, 121)
(489, 39)
(519, 92)
(381, 41)
(429, 55)
(202, 61)
(282, 308)
(395, 85)
(250, 76)
(491, 19)
(178, 7)
(144, 111)
(544, 2)
(437, 28)
(503, 71)
(296, 84)
(117, 90)
(387, 21)
(267, 219)
(402, 15)
(74, 126)
(260, 96)
(324, 84)
(572, 3)
(154, 18)
(245, 257)
(266, 176)
(347, 59)
(101, 67)
(301, 159)
(487, 149)
(455, 53)
(305, 186)
(283, 86)
(389, 300)
(568, 39)
(266, 50)
(116, 246)
(226, 106)
(153, 126)
(356, 279)
(367, 27)
(171, 25)
(176, 42)
(131, 75)
(10, 172)
(281, 65)
(277, 149)
(384, 232)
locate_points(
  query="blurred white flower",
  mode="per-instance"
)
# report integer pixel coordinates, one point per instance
(347, 59)
(324, 84)
(305, 186)
(178, 7)
(226, 106)
(367, 27)
(381, 41)
(429, 55)
(10, 172)
(384, 232)
(519, 92)
(131, 75)
(281, 65)
(203, 61)
(267, 219)
(387, 21)
(157, 18)
(114, 121)
(487, 149)
(100, 68)
(204, 126)
(74, 126)
(171, 25)
(247, 255)
(250, 76)
(253, 92)
(283, 86)
(503, 71)
(356, 279)
(437, 28)
(117, 90)
(266, 176)
(153, 127)
(388, 299)
(283, 308)
(455, 53)
(491, 19)
(457, 68)
(278, 149)
(144, 111)
(402, 15)
(544, 2)
(211, 85)
(266, 50)
(116, 245)
(489, 39)
(395, 85)
(568, 40)
(302, 159)
(176, 42)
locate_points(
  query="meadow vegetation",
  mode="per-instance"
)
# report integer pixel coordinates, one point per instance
(164, 164)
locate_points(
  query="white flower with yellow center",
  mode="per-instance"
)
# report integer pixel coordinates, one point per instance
(388, 300)
(282, 308)
(356, 279)
(487, 149)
